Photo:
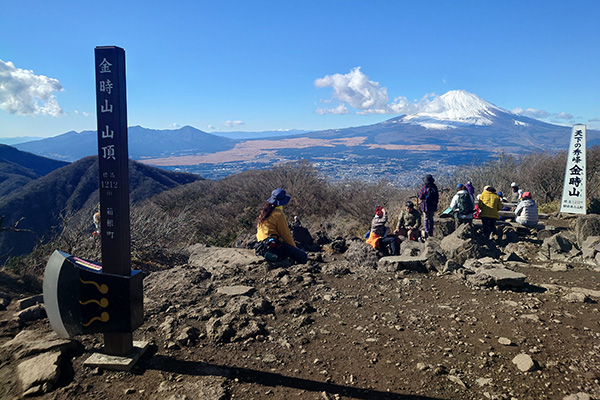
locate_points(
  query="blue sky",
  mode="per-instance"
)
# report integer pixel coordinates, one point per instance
(268, 65)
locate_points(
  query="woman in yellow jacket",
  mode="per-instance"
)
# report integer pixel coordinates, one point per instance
(489, 205)
(272, 223)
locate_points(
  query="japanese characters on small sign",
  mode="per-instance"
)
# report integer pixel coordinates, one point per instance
(574, 195)
(111, 107)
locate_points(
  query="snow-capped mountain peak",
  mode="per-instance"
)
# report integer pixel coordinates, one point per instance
(454, 108)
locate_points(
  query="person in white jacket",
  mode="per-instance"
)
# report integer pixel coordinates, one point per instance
(527, 211)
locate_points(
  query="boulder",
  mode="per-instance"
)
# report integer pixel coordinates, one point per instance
(586, 226)
(545, 233)
(465, 243)
(30, 301)
(556, 247)
(443, 227)
(411, 248)
(501, 277)
(451, 266)
(39, 373)
(590, 247)
(511, 234)
(339, 245)
(28, 343)
(436, 258)
(236, 290)
(221, 261)
(524, 362)
(578, 396)
(399, 263)
(361, 255)
(32, 313)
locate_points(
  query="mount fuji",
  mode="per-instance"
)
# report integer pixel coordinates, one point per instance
(459, 120)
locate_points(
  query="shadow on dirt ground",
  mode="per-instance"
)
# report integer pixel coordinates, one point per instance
(199, 368)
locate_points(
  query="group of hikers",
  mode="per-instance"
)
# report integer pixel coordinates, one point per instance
(464, 207)
(275, 242)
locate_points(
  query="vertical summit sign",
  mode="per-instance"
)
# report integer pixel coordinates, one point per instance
(113, 158)
(574, 191)
(82, 296)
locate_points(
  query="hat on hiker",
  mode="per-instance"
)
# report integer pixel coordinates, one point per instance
(460, 186)
(379, 211)
(526, 195)
(487, 187)
(409, 204)
(514, 184)
(279, 197)
(428, 179)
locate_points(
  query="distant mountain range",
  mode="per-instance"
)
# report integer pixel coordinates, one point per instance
(50, 188)
(456, 128)
(143, 143)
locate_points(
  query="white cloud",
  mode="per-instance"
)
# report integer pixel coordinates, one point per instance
(356, 90)
(532, 113)
(563, 115)
(543, 114)
(84, 113)
(341, 109)
(234, 124)
(174, 125)
(24, 93)
(212, 127)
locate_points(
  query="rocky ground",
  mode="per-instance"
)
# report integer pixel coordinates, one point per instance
(458, 318)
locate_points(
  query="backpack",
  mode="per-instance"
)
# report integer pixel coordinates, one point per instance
(271, 249)
(431, 197)
(465, 204)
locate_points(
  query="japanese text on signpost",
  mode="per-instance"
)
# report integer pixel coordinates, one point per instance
(574, 194)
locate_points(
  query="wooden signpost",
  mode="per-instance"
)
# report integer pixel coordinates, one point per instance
(113, 159)
(84, 297)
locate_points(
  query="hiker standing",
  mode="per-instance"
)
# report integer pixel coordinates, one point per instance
(271, 223)
(429, 197)
(527, 211)
(378, 238)
(489, 205)
(409, 222)
(462, 205)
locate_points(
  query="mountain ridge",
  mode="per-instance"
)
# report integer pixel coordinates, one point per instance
(68, 190)
(447, 131)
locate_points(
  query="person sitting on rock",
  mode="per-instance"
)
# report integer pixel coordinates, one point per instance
(271, 224)
(516, 193)
(527, 211)
(409, 222)
(470, 188)
(463, 206)
(378, 237)
(489, 205)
